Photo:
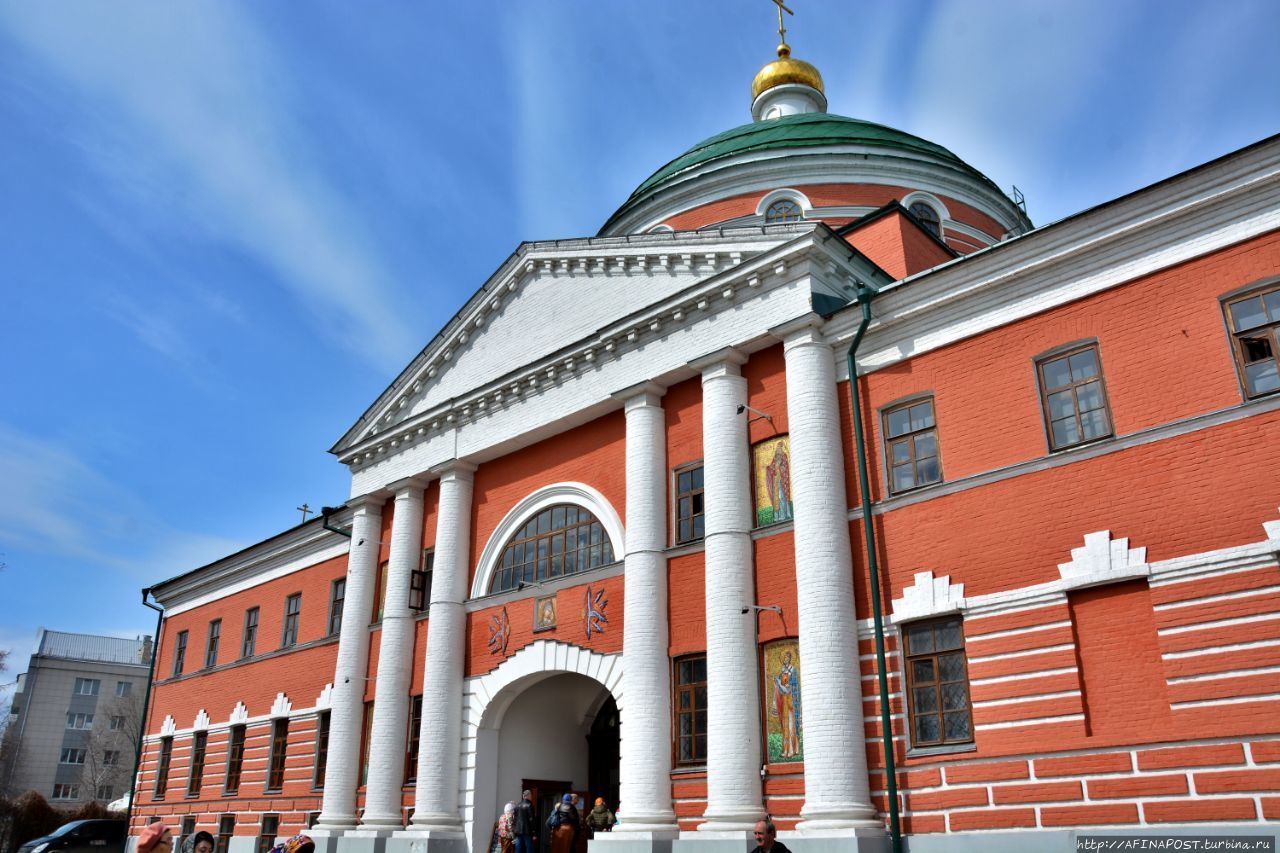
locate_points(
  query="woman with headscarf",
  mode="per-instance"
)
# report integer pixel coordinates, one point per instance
(504, 831)
(563, 824)
(198, 842)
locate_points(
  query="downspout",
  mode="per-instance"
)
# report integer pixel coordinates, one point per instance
(865, 295)
(146, 707)
(325, 512)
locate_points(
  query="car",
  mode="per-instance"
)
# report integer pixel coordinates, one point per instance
(80, 836)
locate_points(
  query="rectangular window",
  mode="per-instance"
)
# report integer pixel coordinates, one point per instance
(79, 721)
(911, 445)
(267, 835)
(250, 640)
(322, 749)
(279, 750)
(211, 648)
(66, 792)
(337, 593)
(162, 766)
(691, 709)
(937, 683)
(1254, 321)
(420, 583)
(365, 737)
(689, 507)
(292, 611)
(235, 759)
(111, 758)
(380, 594)
(1074, 397)
(226, 829)
(117, 723)
(72, 755)
(124, 689)
(199, 748)
(87, 686)
(106, 792)
(180, 653)
(185, 828)
(415, 727)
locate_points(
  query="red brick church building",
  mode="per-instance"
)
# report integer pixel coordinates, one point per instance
(608, 532)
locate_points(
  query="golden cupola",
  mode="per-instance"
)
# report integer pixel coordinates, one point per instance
(787, 86)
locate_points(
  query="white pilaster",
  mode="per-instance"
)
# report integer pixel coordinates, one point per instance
(436, 811)
(646, 680)
(390, 727)
(346, 715)
(837, 796)
(733, 703)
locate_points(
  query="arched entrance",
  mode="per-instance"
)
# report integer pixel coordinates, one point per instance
(548, 719)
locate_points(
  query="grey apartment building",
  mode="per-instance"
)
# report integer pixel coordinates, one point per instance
(74, 724)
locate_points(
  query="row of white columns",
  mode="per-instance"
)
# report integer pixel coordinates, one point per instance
(836, 785)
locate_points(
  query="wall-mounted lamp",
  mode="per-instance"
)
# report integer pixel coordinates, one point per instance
(773, 608)
(759, 415)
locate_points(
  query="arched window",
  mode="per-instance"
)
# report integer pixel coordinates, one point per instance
(560, 540)
(783, 210)
(928, 217)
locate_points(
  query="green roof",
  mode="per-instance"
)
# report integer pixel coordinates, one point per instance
(794, 131)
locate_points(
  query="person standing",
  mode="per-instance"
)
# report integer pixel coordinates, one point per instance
(564, 826)
(525, 825)
(600, 819)
(767, 839)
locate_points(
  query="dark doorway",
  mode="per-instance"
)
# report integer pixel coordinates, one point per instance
(603, 756)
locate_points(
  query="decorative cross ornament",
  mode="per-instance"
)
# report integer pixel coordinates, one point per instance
(305, 509)
(782, 31)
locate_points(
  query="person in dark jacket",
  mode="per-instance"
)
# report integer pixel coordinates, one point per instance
(565, 824)
(767, 839)
(526, 825)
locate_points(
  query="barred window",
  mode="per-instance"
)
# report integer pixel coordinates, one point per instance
(937, 683)
(928, 217)
(558, 541)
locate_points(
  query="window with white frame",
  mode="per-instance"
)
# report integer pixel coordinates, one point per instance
(87, 686)
(72, 755)
(124, 689)
(111, 758)
(66, 792)
(79, 721)
(117, 723)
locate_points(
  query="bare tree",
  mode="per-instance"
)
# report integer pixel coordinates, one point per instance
(110, 746)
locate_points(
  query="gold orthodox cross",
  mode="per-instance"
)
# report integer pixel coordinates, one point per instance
(782, 31)
(305, 509)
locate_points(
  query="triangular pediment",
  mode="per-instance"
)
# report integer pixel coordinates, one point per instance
(548, 304)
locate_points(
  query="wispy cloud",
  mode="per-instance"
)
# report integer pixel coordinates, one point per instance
(55, 503)
(186, 107)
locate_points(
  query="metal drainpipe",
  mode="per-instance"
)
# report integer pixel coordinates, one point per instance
(873, 566)
(146, 707)
(327, 511)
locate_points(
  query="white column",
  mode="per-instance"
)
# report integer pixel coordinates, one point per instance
(346, 715)
(835, 765)
(436, 804)
(646, 677)
(733, 702)
(390, 728)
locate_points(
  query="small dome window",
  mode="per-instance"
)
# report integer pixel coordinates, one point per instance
(783, 210)
(928, 217)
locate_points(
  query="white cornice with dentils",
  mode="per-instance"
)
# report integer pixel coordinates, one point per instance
(291, 551)
(625, 255)
(1185, 217)
(715, 293)
(767, 170)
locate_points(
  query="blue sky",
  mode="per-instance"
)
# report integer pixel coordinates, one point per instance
(225, 227)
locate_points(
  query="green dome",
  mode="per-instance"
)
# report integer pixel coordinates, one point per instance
(793, 131)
